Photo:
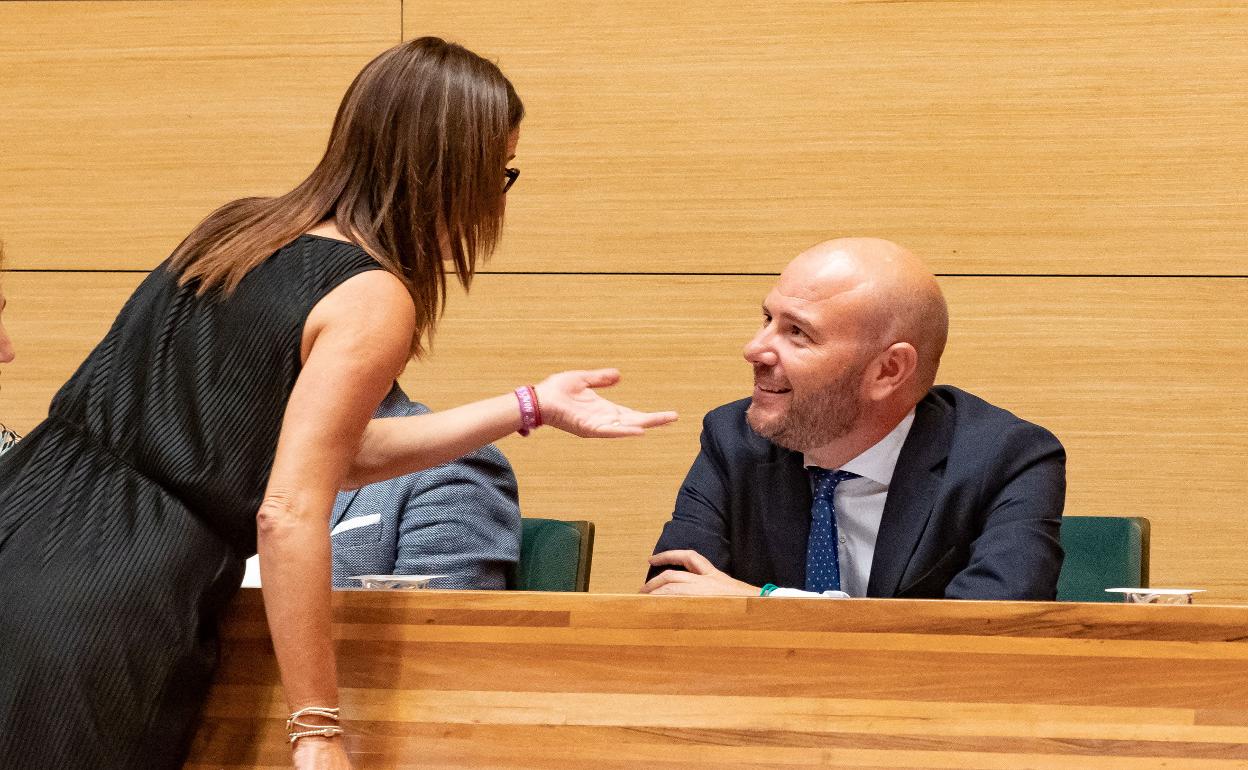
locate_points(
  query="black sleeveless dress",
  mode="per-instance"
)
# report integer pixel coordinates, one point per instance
(126, 516)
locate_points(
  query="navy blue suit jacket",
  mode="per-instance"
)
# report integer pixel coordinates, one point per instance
(461, 519)
(973, 510)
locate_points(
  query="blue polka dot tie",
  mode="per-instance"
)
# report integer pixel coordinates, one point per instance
(823, 563)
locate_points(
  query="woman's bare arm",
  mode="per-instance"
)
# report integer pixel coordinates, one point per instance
(356, 341)
(394, 446)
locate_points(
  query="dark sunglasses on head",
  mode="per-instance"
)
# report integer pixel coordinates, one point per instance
(510, 176)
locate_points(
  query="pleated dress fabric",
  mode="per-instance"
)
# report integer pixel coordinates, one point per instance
(126, 516)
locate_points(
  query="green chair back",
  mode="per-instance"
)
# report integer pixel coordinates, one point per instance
(1102, 552)
(555, 555)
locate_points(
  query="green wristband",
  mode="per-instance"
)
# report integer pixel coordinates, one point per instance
(767, 589)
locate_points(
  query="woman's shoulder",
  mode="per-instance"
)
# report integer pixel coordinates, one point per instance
(372, 307)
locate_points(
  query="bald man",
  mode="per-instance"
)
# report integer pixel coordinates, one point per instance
(846, 472)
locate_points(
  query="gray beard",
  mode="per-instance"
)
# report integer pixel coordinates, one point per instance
(814, 420)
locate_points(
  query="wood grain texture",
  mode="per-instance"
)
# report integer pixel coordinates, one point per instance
(1132, 375)
(128, 122)
(1137, 377)
(993, 136)
(441, 679)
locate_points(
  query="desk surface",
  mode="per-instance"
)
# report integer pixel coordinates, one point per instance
(471, 679)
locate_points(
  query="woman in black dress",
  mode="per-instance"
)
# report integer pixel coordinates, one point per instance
(226, 406)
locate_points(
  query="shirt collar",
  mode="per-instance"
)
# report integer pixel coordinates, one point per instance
(880, 460)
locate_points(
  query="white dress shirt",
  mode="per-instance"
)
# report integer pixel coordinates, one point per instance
(859, 505)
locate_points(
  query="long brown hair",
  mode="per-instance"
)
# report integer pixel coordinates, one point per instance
(416, 152)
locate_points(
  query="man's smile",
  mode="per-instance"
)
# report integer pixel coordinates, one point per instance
(770, 388)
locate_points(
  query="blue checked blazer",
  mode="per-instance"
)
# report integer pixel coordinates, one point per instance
(461, 519)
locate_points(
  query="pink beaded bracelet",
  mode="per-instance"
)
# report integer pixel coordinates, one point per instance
(530, 410)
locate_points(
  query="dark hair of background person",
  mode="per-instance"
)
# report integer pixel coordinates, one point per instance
(414, 166)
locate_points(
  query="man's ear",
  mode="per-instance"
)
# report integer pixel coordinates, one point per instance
(891, 370)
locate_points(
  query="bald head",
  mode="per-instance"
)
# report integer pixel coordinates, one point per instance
(886, 291)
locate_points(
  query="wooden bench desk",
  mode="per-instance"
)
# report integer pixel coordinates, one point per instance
(439, 679)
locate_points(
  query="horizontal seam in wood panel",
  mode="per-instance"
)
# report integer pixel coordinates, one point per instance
(1065, 620)
(807, 640)
(1165, 276)
(85, 271)
(626, 274)
(387, 729)
(751, 713)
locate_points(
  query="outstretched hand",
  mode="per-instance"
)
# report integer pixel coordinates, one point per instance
(569, 403)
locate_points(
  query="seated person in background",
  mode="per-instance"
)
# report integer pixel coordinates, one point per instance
(847, 470)
(461, 519)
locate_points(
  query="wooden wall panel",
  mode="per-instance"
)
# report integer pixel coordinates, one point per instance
(1135, 376)
(55, 319)
(125, 123)
(718, 139)
(995, 136)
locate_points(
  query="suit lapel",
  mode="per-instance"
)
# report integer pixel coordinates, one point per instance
(342, 504)
(911, 496)
(782, 489)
